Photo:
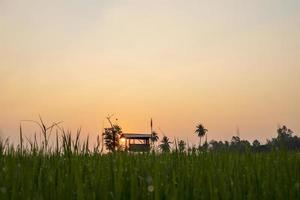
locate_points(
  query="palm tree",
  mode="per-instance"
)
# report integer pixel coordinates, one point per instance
(200, 131)
(154, 137)
(165, 144)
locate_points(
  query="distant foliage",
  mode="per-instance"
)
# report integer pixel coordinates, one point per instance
(66, 144)
(165, 145)
(200, 131)
(216, 170)
(154, 137)
(284, 140)
(111, 137)
(181, 146)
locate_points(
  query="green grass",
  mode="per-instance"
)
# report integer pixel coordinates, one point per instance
(224, 175)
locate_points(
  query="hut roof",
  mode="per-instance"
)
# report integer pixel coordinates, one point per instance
(136, 135)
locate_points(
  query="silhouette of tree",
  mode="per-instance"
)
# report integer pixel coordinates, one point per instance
(181, 146)
(111, 137)
(165, 144)
(239, 145)
(256, 145)
(218, 145)
(154, 138)
(235, 140)
(194, 149)
(285, 140)
(204, 147)
(200, 131)
(284, 132)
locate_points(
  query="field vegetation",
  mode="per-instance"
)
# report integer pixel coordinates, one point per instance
(71, 169)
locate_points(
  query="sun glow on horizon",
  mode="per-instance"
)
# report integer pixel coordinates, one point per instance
(224, 64)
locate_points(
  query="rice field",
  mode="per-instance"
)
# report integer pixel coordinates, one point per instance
(222, 175)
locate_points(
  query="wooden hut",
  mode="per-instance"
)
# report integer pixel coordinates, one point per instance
(136, 142)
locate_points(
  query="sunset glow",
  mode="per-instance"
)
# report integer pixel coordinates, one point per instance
(227, 64)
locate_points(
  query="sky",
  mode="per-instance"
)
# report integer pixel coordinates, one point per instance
(230, 65)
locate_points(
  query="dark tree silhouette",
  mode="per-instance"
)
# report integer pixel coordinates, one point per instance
(181, 146)
(255, 145)
(154, 138)
(111, 137)
(217, 146)
(165, 144)
(200, 131)
(239, 145)
(284, 133)
(285, 140)
(204, 147)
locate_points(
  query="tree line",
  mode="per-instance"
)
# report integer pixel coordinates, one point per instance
(65, 143)
(286, 139)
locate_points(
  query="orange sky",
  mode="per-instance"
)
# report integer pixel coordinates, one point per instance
(227, 65)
